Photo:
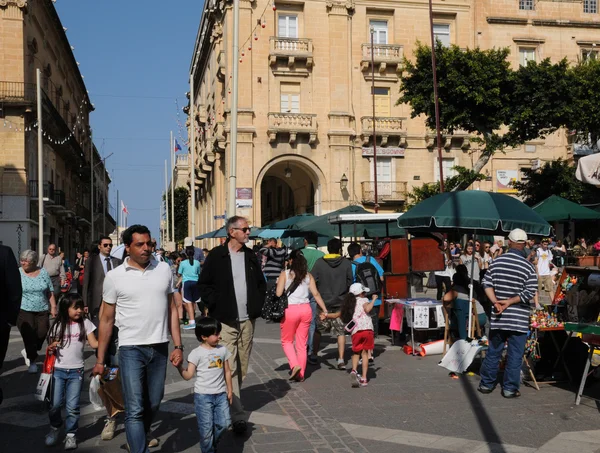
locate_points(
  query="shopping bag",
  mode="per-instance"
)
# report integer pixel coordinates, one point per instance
(110, 392)
(44, 386)
(460, 356)
(95, 399)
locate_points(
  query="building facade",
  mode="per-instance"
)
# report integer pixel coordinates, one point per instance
(32, 37)
(305, 113)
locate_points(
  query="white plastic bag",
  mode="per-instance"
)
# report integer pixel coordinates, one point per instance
(94, 397)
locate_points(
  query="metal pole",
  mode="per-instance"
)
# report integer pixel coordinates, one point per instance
(234, 111)
(172, 189)
(436, 98)
(160, 228)
(167, 201)
(104, 196)
(374, 131)
(193, 160)
(40, 164)
(117, 219)
(92, 183)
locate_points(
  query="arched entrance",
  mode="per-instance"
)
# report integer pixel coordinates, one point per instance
(288, 187)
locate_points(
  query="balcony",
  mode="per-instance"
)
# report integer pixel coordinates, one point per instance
(83, 214)
(387, 192)
(385, 127)
(291, 49)
(58, 201)
(292, 124)
(384, 55)
(17, 93)
(48, 190)
(181, 160)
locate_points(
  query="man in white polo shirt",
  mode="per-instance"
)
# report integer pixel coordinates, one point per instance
(138, 298)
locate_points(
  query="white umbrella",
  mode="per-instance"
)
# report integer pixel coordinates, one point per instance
(588, 169)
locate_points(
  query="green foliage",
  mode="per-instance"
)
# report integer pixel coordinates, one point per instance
(554, 178)
(181, 196)
(464, 177)
(584, 120)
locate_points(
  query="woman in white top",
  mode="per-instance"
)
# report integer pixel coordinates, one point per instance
(298, 315)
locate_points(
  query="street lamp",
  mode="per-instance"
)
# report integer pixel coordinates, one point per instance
(344, 182)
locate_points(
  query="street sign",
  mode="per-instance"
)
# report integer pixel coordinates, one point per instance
(217, 217)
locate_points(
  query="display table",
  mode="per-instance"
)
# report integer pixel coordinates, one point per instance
(592, 338)
(559, 351)
(421, 314)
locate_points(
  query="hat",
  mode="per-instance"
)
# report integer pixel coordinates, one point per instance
(188, 241)
(517, 235)
(358, 288)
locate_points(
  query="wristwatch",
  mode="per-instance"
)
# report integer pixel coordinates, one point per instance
(179, 347)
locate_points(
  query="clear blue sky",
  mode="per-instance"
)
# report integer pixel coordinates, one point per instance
(135, 57)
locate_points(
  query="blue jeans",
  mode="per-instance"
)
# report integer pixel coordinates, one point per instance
(143, 370)
(514, 359)
(67, 390)
(212, 412)
(460, 315)
(313, 325)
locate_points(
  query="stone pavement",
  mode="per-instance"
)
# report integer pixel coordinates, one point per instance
(410, 405)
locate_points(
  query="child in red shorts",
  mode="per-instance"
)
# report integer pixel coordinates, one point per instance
(355, 309)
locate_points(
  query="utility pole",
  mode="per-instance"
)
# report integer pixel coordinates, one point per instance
(192, 149)
(92, 182)
(167, 201)
(172, 188)
(40, 156)
(436, 98)
(117, 219)
(234, 111)
(376, 204)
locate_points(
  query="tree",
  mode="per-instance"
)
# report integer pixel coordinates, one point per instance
(480, 94)
(464, 177)
(584, 120)
(554, 178)
(181, 196)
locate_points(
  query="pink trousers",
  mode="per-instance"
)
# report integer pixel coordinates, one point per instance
(295, 324)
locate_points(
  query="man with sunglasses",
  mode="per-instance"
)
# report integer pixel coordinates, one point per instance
(232, 287)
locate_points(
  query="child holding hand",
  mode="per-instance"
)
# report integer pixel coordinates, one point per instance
(213, 390)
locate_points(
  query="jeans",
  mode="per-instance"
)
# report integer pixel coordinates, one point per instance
(460, 316)
(143, 370)
(67, 390)
(212, 412)
(514, 359)
(238, 338)
(313, 325)
(294, 327)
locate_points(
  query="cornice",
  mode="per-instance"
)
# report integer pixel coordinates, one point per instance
(340, 6)
(18, 3)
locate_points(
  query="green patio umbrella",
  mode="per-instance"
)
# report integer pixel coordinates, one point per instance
(557, 209)
(474, 211)
(321, 225)
(220, 233)
(289, 222)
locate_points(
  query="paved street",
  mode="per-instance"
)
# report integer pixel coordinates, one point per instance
(410, 405)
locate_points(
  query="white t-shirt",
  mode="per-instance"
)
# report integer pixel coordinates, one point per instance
(210, 369)
(70, 356)
(544, 257)
(141, 297)
(300, 295)
(362, 318)
(467, 260)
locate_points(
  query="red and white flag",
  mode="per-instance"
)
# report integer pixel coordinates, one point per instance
(124, 208)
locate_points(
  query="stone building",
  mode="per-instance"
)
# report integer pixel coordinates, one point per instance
(306, 106)
(32, 37)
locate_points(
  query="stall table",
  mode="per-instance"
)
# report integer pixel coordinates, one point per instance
(417, 317)
(560, 354)
(593, 340)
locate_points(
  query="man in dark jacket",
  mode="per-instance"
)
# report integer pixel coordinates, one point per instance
(10, 294)
(333, 276)
(232, 287)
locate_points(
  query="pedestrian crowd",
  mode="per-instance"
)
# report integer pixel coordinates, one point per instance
(129, 308)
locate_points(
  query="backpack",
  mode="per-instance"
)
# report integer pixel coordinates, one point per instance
(367, 275)
(274, 307)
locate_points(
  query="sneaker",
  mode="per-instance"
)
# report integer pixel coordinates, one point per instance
(70, 442)
(341, 364)
(354, 379)
(24, 354)
(189, 326)
(108, 433)
(514, 394)
(33, 368)
(152, 442)
(485, 390)
(52, 437)
(313, 359)
(371, 361)
(363, 382)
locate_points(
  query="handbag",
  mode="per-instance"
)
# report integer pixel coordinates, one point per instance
(43, 389)
(274, 307)
(431, 282)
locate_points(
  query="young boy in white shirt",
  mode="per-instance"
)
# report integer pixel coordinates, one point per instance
(213, 389)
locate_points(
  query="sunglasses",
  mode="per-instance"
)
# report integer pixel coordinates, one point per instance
(107, 245)
(243, 230)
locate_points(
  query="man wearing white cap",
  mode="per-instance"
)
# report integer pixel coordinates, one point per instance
(510, 284)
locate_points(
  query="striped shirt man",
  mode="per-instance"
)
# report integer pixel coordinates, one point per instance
(275, 261)
(512, 275)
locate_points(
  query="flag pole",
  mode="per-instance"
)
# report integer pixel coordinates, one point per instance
(172, 188)
(118, 218)
(167, 198)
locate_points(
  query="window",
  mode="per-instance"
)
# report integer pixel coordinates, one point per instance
(590, 6)
(382, 101)
(380, 31)
(287, 26)
(441, 32)
(527, 5)
(384, 175)
(589, 54)
(448, 165)
(526, 54)
(290, 98)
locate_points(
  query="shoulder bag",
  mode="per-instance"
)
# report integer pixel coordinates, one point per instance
(274, 306)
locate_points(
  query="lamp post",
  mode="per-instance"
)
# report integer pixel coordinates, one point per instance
(435, 97)
(40, 156)
(376, 205)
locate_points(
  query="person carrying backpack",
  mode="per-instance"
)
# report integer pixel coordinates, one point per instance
(366, 270)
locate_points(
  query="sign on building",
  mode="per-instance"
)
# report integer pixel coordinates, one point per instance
(383, 152)
(504, 180)
(243, 197)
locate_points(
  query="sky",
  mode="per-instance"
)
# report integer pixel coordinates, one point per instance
(135, 58)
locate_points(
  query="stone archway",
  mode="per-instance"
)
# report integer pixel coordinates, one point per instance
(288, 186)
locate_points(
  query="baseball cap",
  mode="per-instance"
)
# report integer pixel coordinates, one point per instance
(358, 288)
(517, 235)
(188, 242)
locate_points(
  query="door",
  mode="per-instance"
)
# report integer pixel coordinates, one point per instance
(287, 26)
(384, 176)
(382, 102)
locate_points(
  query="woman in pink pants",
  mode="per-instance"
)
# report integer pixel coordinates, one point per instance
(298, 315)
